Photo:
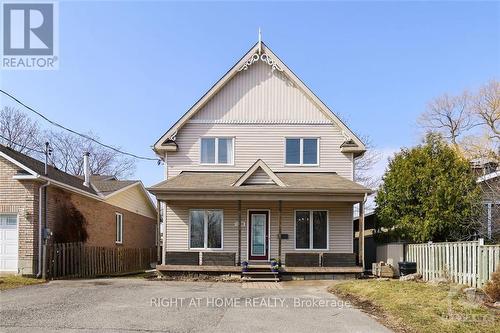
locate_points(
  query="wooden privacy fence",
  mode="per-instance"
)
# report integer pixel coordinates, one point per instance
(76, 260)
(469, 263)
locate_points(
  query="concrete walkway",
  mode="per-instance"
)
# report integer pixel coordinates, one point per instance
(136, 305)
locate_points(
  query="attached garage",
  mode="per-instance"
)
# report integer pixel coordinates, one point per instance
(9, 241)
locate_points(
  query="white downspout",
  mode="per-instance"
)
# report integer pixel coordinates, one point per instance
(40, 206)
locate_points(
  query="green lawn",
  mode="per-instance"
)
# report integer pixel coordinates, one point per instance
(418, 307)
(16, 281)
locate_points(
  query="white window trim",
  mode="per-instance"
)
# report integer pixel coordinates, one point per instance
(301, 151)
(217, 150)
(311, 229)
(205, 230)
(119, 232)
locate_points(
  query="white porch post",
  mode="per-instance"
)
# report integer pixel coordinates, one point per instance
(279, 228)
(239, 233)
(164, 245)
(361, 239)
(158, 230)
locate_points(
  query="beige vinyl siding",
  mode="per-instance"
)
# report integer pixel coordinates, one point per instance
(260, 95)
(264, 141)
(339, 218)
(259, 177)
(260, 108)
(133, 200)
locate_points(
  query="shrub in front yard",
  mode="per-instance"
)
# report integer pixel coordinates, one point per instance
(492, 287)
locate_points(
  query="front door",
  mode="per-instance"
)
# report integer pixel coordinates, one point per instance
(257, 231)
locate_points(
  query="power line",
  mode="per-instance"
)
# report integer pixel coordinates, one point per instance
(77, 133)
(22, 146)
(49, 154)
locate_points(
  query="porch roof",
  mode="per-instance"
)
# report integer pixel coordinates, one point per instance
(222, 183)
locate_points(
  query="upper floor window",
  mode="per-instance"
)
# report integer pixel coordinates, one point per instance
(217, 150)
(302, 151)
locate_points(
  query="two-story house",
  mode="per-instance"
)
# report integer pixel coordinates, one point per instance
(259, 168)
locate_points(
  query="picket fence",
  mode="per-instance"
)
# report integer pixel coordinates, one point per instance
(469, 263)
(76, 260)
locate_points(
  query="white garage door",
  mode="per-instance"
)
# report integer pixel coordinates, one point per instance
(8, 243)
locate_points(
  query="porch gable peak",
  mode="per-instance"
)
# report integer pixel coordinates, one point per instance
(259, 174)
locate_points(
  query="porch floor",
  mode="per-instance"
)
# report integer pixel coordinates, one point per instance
(237, 269)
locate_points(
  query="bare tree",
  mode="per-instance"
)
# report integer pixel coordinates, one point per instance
(480, 146)
(24, 135)
(448, 115)
(18, 131)
(486, 107)
(363, 166)
(68, 152)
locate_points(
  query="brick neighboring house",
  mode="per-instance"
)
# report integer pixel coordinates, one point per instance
(116, 212)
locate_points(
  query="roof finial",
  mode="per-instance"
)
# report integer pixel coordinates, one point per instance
(260, 41)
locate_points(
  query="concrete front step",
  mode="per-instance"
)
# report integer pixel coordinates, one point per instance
(260, 279)
(268, 272)
(263, 269)
(260, 273)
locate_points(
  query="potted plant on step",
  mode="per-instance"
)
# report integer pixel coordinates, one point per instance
(275, 262)
(244, 266)
(275, 268)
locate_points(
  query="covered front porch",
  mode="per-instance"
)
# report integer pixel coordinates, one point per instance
(211, 225)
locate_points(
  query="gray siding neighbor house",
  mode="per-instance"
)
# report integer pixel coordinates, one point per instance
(259, 168)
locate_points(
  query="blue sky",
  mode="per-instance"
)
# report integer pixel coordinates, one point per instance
(128, 70)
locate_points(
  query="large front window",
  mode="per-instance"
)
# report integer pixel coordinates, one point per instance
(301, 151)
(311, 229)
(216, 151)
(205, 229)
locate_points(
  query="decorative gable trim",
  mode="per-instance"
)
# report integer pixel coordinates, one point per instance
(243, 64)
(259, 164)
(264, 58)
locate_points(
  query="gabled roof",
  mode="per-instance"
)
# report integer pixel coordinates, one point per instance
(260, 52)
(35, 167)
(259, 165)
(111, 186)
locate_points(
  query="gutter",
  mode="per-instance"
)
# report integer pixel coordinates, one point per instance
(40, 206)
(155, 191)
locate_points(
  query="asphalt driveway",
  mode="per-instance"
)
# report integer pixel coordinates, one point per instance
(136, 305)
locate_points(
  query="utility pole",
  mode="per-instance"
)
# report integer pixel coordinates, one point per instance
(48, 152)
